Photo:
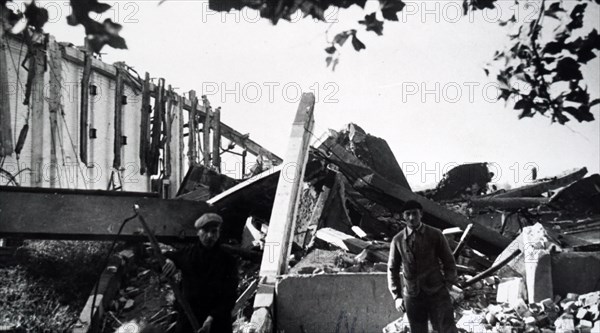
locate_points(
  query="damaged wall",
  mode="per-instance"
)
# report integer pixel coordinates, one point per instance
(342, 303)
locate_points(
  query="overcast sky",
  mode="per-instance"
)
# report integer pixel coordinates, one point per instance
(420, 86)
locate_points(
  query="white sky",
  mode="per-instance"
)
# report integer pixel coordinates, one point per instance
(432, 45)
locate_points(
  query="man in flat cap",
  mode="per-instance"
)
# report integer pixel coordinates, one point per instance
(209, 278)
(428, 269)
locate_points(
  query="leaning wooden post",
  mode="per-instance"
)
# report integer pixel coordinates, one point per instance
(216, 144)
(283, 216)
(6, 142)
(206, 132)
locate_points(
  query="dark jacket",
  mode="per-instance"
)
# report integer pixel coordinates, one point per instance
(209, 282)
(423, 265)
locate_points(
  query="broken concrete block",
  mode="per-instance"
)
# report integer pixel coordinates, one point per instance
(568, 306)
(510, 290)
(521, 308)
(472, 322)
(583, 314)
(596, 328)
(590, 299)
(585, 324)
(565, 324)
(543, 320)
(548, 305)
(538, 263)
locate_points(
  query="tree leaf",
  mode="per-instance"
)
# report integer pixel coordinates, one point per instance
(373, 24)
(330, 49)
(358, 45)
(577, 17)
(523, 104)
(553, 9)
(342, 37)
(482, 4)
(581, 114)
(36, 16)
(567, 69)
(390, 8)
(554, 47)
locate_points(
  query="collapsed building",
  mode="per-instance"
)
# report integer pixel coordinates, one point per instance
(313, 228)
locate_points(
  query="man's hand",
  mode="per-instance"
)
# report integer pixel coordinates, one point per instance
(400, 305)
(168, 268)
(207, 325)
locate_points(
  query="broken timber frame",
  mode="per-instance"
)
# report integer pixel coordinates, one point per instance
(228, 132)
(283, 217)
(379, 189)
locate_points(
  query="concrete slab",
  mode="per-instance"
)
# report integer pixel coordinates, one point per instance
(340, 303)
(575, 272)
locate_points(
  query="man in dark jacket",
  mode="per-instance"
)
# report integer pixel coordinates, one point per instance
(209, 278)
(422, 291)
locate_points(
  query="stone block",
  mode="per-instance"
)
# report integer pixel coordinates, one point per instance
(565, 324)
(510, 290)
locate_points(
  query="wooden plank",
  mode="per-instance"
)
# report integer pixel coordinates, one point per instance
(55, 104)
(169, 117)
(463, 241)
(84, 108)
(216, 147)
(38, 118)
(192, 149)
(206, 132)
(157, 122)
(535, 190)
(227, 197)
(6, 142)
(145, 124)
(244, 297)
(507, 203)
(283, 216)
(102, 294)
(180, 163)
(90, 214)
(118, 118)
(342, 240)
(391, 195)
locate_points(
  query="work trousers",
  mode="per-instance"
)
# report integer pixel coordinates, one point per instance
(436, 307)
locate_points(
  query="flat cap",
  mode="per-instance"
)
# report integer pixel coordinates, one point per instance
(208, 219)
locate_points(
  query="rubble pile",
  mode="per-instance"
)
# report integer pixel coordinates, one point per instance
(145, 301)
(554, 223)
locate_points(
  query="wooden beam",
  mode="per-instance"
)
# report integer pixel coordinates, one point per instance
(91, 214)
(216, 144)
(463, 241)
(38, 118)
(244, 297)
(535, 190)
(379, 189)
(54, 103)
(283, 216)
(490, 270)
(145, 125)
(6, 142)
(507, 203)
(84, 108)
(118, 119)
(206, 132)
(192, 121)
(103, 293)
(342, 240)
